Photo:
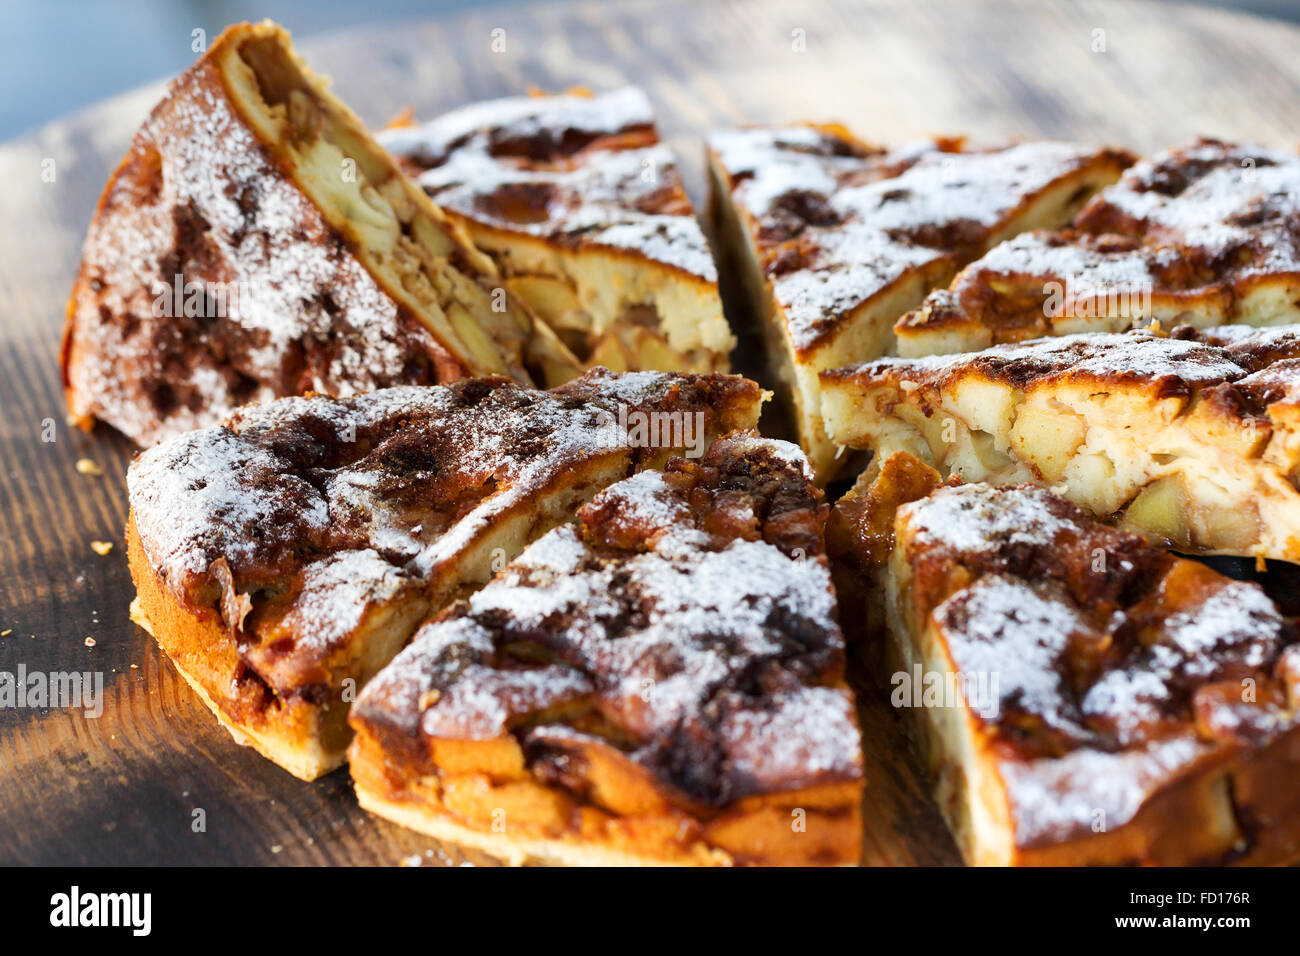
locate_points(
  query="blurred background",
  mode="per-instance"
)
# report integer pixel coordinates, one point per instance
(57, 56)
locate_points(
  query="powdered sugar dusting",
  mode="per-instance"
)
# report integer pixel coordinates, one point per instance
(336, 591)
(1139, 358)
(702, 654)
(409, 477)
(977, 518)
(200, 195)
(1093, 268)
(864, 218)
(1208, 228)
(772, 748)
(523, 118)
(1054, 800)
(999, 612)
(1113, 664)
(1217, 198)
(474, 162)
(193, 500)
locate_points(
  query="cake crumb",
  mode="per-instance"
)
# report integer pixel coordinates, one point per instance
(101, 548)
(429, 698)
(90, 642)
(87, 467)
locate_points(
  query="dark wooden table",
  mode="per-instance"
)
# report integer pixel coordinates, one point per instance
(125, 787)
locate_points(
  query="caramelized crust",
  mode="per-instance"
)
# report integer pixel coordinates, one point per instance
(583, 210)
(860, 529)
(255, 243)
(309, 536)
(663, 681)
(1190, 438)
(839, 238)
(1205, 234)
(1113, 696)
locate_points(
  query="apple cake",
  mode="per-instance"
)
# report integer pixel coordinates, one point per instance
(1082, 697)
(1205, 234)
(1192, 438)
(582, 209)
(284, 556)
(661, 682)
(255, 242)
(837, 239)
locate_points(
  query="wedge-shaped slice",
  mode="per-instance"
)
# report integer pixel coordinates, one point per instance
(662, 682)
(583, 210)
(255, 243)
(837, 239)
(1205, 234)
(1191, 439)
(285, 556)
(1084, 697)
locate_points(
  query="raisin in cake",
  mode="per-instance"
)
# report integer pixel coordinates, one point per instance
(282, 557)
(661, 682)
(583, 210)
(837, 239)
(255, 242)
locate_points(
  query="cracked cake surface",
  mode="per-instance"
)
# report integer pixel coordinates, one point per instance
(683, 630)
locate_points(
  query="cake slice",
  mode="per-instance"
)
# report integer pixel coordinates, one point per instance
(1205, 234)
(1082, 697)
(1190, 438)
(282, 557)
(662, 682)
(255, 242)
(837, 239)
(582, 209)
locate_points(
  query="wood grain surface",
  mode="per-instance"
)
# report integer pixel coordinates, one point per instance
(125, 787)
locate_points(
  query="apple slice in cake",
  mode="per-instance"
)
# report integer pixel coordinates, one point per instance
(837, 239)
(282, 557)
(1192, 438)
(661, 682)
(1204, 234)
(583, 210)
(1082, 696)
(255, 242)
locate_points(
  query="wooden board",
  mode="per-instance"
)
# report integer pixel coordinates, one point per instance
(125, 787)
